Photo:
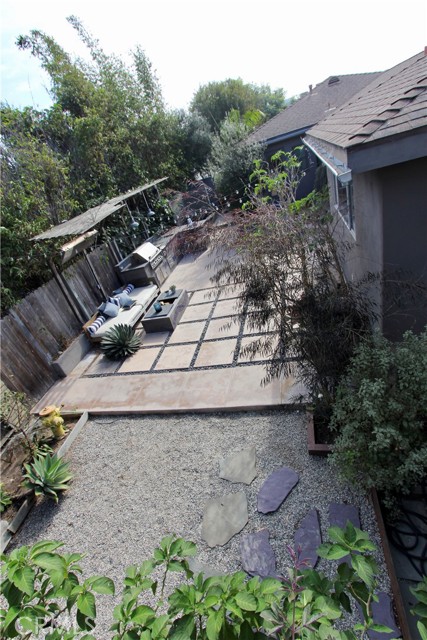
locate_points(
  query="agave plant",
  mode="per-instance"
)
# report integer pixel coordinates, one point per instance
(47, 475)
(120, 342)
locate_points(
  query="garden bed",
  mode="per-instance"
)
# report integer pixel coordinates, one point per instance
(15, 454)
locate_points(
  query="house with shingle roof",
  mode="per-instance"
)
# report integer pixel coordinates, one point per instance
(285, 130)
(374, 148)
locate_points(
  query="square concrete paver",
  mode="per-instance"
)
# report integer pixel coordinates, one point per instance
(85, 363)
(225, 308)
(247, 358)
(187, 332)
(249, 330)
(218, 328)
(142, 360)
(197, 312)
(176, 357)
(103, 365)
(220, 352)
(204, 295)
(151, 339)
(231, 291)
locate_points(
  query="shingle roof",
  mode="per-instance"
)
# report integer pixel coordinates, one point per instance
(393, 103)
(312, 106)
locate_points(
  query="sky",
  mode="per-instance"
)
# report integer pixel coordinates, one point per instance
(284, 44)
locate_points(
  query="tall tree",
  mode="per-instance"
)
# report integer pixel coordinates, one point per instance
(217, 99)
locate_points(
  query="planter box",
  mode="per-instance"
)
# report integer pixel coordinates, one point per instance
(71, 357)
(315, 448)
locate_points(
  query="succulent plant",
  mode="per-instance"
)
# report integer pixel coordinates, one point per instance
(47, 475)
(5, 499)
(120, 342)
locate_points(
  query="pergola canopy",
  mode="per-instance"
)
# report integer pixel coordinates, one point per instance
(89, 219)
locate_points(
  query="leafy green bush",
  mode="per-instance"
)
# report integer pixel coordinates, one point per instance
(47, 475)
(41, 586)
(420, 609)
(381, 416)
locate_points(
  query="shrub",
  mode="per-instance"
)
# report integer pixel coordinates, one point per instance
(40, 585)
(381, 416)
(285, 255)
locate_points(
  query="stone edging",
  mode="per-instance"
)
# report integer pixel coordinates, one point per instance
(8, 533)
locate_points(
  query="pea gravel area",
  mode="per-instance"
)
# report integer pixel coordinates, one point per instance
(138, 478)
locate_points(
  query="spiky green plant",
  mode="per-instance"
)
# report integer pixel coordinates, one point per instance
(5, 499)
(120, 342)
(47, 475)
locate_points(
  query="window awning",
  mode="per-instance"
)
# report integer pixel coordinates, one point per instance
(338, 168)
(89, 219)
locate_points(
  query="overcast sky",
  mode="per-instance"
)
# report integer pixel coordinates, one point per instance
(281, 43)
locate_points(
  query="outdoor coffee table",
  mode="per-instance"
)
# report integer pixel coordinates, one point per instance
(173, 306)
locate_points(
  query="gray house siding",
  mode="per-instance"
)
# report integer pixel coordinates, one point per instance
(365, 245)
(404, 189)
(390, 209)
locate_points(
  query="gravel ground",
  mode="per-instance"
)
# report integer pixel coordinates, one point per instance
(138, 478)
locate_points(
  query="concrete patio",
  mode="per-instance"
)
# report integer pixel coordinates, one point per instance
(197, 367)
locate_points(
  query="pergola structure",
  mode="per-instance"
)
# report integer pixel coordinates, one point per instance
(94, 216)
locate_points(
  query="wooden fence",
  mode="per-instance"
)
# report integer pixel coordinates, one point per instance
(42, 325)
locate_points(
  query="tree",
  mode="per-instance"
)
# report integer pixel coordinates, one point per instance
(107, 132)
(216, 100)
(232, 159)
(284, 255)
(36, 193)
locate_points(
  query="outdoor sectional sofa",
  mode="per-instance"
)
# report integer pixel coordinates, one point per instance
(142, 298)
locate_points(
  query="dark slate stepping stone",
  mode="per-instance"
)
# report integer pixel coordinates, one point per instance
(382, 613)
(239, 467)
(258, 557)
(276, 489)
(308, 538)
(224, 517)
(340, 513)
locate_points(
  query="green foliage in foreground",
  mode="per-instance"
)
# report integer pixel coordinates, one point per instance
(420, 609)
(42, 587)
(381, 416)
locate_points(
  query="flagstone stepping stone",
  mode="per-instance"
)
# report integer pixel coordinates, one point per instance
(382, 613)
(239, 467)
(276, 489)
(257, 555)
(308, 538)
(224, 517)
(340, 513)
